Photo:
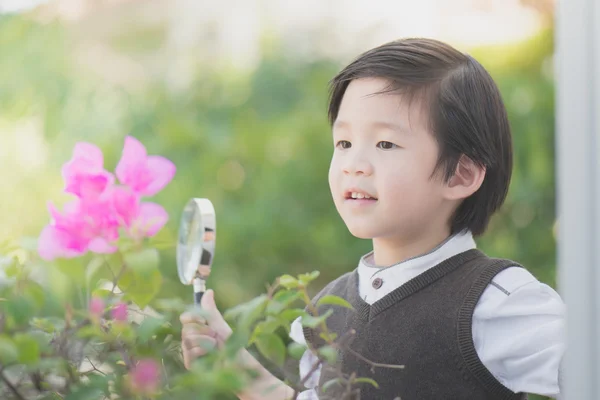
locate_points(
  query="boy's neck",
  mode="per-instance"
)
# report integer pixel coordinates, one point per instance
(393, 250)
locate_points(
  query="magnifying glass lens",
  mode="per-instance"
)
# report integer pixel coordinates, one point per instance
(190, 244)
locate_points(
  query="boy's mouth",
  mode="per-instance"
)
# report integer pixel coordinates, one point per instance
(356, 194)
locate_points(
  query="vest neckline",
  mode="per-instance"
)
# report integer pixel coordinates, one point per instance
(366, 311)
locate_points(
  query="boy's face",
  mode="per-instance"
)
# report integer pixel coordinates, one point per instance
(383, 149)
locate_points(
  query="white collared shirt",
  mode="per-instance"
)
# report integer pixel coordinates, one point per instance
(518, 323)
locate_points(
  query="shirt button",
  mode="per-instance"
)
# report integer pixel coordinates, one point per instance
(377, 283)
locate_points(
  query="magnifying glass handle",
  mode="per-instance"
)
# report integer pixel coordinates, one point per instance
(199, 289)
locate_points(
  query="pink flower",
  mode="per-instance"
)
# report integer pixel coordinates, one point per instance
(119, 312)
(96, 307)
(93, 221)
(140, 219)
(144, 377)
(84, 174)
(144, 174)
(81, 227)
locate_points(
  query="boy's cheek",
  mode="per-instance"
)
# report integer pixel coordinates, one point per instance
(333, 177)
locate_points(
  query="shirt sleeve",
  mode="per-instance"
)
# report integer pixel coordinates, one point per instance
(307, 362)
(518, 332)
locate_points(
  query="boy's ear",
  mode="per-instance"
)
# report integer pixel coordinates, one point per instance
(467, 179)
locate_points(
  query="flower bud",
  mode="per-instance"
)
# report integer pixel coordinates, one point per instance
(144, 377)
(119, 312)
(96, 307)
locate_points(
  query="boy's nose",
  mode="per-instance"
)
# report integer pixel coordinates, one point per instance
(358, 167)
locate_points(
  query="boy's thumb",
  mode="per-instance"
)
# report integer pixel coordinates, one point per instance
(215, 320)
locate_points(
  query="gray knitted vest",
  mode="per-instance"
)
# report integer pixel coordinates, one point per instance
(425, 325)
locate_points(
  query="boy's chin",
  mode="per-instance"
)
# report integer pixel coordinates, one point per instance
(361, 232)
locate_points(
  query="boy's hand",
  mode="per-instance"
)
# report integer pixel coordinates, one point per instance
(199, 335)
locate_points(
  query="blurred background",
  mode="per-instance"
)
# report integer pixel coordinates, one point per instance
(235, 93)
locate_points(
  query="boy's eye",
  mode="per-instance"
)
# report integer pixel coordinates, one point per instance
(386, 145)
(343, 144)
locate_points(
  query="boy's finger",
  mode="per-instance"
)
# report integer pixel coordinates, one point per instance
(190, 330)
(205, 343)
(191, 318)
(200, 351)
(215, 319)
(199, 341)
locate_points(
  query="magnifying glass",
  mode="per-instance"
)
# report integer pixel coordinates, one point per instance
(196, 245)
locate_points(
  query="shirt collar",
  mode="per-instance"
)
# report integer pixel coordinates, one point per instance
(391, 277)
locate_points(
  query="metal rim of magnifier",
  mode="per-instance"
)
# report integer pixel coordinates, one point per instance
(201, 214)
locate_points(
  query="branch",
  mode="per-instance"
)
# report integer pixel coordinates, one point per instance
(126, 359)
(116, 278)
(94, 368)
(8, 383)
(343, 339)
(373, 364)
(312, 370)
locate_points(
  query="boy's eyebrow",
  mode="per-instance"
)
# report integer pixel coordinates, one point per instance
(376, 124)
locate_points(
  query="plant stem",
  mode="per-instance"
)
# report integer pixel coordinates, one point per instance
(8, 383)
(373, 364)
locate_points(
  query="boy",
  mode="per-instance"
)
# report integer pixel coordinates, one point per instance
(422, 159)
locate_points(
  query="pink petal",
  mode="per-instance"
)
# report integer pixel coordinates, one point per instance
(126, 205)
(88, 185)
(145, 377)
(90, 153)
(134, 155)
(84, 174)
(119, 312)
(161, 171)
(152, 217)
(54, 243)
(101, 246)
(96, 306)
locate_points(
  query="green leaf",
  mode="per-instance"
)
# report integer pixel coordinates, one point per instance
(140, 289)
(291, 314)
(311, 322)
(269, 325)
(9, 352)
(93, 267)
(144, 263)
(45, 324)
(100, 382)
(175, 305)
(73, 269)
(28, 347)
(148, 327)
(247, 313)
(281, 300)
(13, 269)
(271, 346)
(43, 340)
(21, 309)
(305, 279)
(328, 336)
(329, 353)
(54, 365)
(103, 293)
(329, 384)
(288, 282)
(334, 300)
(36, 293)
(367, 380)
(296, 350)
(90, 331)
(85, 393)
